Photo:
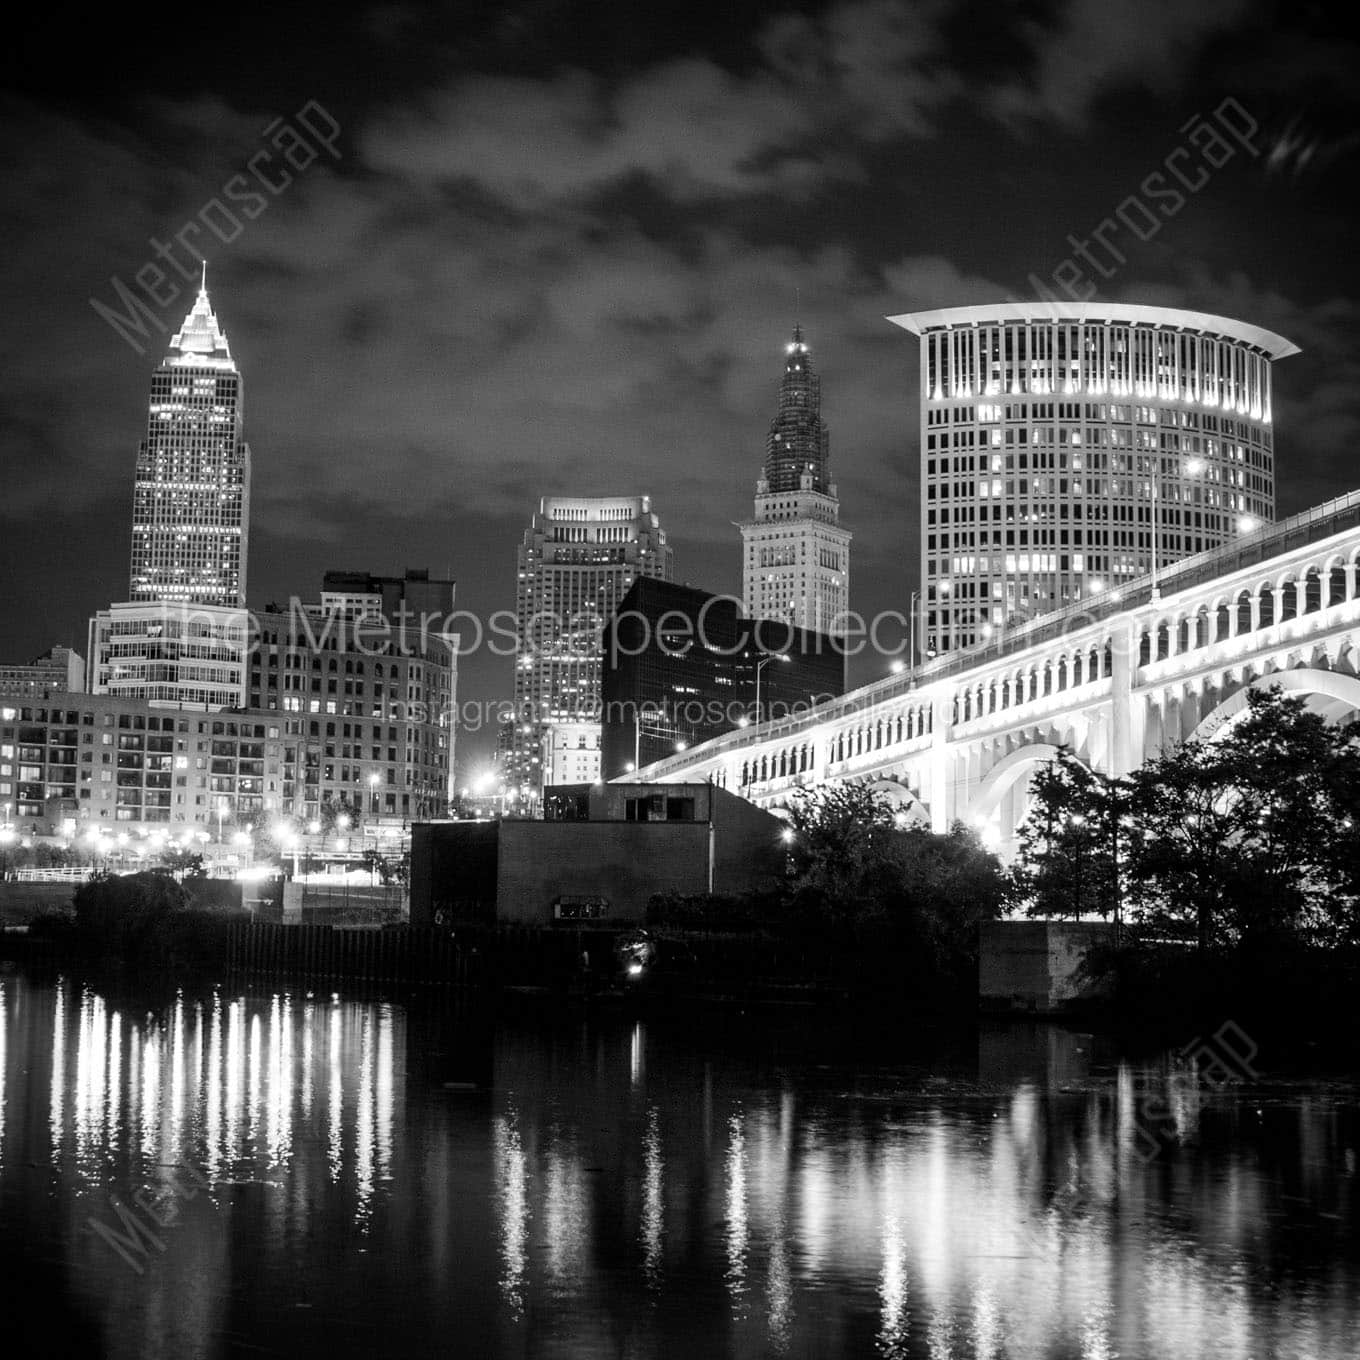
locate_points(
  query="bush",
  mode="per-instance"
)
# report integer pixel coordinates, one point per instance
(145, 920)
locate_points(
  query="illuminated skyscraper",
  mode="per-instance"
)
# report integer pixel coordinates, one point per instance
(795, 555)
(1067, 448)
(577, 561)
(191, 501)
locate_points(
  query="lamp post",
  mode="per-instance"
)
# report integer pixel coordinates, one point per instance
(911, 645)
(760, 666)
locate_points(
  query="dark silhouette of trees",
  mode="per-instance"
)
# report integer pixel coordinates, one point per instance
(1246, 837)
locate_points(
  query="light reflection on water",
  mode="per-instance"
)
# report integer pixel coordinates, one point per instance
(618, 1190)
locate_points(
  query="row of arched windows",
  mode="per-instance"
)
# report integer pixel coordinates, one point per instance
(872, 735)
(1259, 606)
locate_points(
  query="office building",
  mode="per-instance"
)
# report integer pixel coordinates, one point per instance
(681, 666)
(59, 670)
(795, 555)
(179, 638)
(370, 701)
(1068, 448)
(171, 653)
(191, 498)
(340, 713)
(578, 559)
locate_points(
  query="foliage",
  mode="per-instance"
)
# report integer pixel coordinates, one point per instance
(331, 811)
(144, 920)
(1069, 862)
(128, 915)
(714, 912)
(394, 869)
(858, 875)
(183, 863)
(1239, 841)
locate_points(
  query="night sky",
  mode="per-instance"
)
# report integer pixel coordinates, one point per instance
(559, 248)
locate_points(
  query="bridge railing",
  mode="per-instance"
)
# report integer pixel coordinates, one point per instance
(1309, 526)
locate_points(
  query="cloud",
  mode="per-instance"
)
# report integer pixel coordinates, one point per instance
(1093, 48)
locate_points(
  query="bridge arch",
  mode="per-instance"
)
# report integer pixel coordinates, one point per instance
(904, 802)
(1335, 689)
(1005, 774)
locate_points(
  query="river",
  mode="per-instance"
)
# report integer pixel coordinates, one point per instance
(332, 1175)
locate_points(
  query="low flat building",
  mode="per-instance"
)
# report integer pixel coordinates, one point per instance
(60, 670)
(635, 841)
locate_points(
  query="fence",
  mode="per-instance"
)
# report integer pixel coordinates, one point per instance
(324, 953)
(69, 875)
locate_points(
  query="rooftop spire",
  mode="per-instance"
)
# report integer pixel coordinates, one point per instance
(200, 342)
(798, 445)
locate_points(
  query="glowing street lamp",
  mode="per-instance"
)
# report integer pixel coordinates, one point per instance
(760, 666)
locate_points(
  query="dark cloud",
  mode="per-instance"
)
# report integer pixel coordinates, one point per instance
(511, 285)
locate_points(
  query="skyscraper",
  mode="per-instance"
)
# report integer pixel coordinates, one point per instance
(182, 635)
(578, 558)
(795, 555)
(1069, 447)
(191, 501)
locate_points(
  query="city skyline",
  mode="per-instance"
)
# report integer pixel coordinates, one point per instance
(602, 310)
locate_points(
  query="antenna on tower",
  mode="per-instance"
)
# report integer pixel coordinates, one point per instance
(203, 287)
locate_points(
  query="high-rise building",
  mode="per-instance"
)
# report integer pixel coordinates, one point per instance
(795, 555)
(367, 697)
(682, 666)
(1067, 448)
(578, 559)
(191, 501)
(180, 637)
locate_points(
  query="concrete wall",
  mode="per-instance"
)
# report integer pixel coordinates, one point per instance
(1033, 965)
(749, 848)
(624, 862)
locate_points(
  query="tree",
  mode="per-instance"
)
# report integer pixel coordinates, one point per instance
(130, 915)
(1248, 836)
(950, 884)
(1069, 862)
(339, 816)
(183, 863)
(841, 854)
(856, 871)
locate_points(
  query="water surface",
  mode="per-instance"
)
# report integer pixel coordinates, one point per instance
(325, 1175)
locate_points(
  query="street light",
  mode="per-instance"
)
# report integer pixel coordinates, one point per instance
(913, 609)
(760, 666)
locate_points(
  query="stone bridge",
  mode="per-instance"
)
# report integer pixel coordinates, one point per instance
(1114, 681)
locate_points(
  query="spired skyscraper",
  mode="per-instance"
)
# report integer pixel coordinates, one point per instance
(795, 555)
(191, 502)
(181, 636)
